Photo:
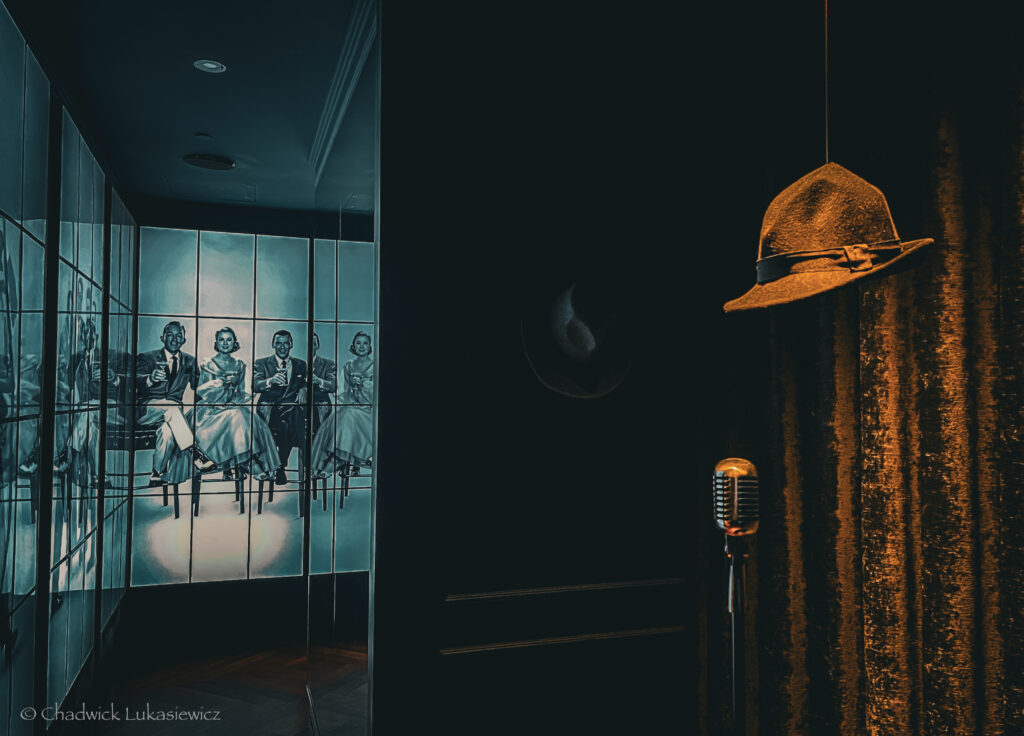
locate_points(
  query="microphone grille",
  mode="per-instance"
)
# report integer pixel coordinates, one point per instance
(736, 492)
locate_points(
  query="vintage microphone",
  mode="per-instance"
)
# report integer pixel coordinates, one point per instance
(736, 513)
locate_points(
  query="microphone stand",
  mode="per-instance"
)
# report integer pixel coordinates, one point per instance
(736, 549)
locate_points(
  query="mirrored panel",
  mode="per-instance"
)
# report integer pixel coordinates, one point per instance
(12, 93)
(68, 187)
(37, 139)
(58, 634)
(83, 223)
(23, 666)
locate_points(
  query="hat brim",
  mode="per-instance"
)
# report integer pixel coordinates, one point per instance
(796, 286)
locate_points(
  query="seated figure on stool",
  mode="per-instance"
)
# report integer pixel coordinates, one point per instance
(280, 381)
(344, 442)
(161, 379)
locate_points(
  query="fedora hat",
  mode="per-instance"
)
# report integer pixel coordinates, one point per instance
(828, 229)
(574, 337)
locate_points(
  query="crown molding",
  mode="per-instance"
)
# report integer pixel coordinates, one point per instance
(359, 37)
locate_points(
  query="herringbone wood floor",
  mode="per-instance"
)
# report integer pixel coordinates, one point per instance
(255, 694)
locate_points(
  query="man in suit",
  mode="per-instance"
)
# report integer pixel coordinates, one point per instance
(85, 380)
(161, 377)
(280, 381)
(325, 383)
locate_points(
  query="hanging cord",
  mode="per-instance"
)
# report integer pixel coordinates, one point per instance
(826, 82)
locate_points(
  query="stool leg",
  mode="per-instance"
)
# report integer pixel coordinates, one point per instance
(270, 492)
(165, 494)
(240, 495)
(177, 508)
(33, 487)
(259, 499)
(324, 493)
(195, 495)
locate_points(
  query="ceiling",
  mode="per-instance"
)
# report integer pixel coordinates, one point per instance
(296, 108)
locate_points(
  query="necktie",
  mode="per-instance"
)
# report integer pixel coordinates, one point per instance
(174, 368)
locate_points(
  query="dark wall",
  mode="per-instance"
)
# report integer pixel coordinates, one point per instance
(522, 143)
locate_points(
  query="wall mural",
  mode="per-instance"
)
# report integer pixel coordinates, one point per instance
(226, 404)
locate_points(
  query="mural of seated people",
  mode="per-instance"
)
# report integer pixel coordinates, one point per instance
(162, 376)
(344, 443)
(280, 380)
(226, 427)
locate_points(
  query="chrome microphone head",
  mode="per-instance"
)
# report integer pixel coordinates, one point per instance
(736, 497)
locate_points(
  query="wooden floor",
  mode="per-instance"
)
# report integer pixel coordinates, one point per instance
(257, 694)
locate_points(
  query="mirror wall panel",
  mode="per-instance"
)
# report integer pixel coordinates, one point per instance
(24, 131)
(12, 88)
(36, 148)
(79, 443)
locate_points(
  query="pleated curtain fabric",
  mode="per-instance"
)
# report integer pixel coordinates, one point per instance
(887, 585)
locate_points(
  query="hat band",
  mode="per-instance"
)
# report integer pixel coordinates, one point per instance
(859, 257)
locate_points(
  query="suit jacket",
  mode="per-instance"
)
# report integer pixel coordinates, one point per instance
(118, 372)
(292, 396)
(327, 371)
(173, 390)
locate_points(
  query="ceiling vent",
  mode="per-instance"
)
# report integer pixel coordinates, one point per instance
(209, 161)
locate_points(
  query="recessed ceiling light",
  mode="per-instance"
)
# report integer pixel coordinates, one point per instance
(209, 161)
(209, 65)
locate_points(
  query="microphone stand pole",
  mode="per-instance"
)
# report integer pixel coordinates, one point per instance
(736, 549)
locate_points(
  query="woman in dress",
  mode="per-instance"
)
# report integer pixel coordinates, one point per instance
(345, 438)
(226, 427)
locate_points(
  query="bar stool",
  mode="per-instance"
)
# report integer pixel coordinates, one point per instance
(177, 508)
(259, 496)
(240, 477)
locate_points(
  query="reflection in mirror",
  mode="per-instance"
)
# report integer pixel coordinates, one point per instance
(75, 605)
(12, 62)
(83, 223)
(37, 114)
(58, 645)
(96, 220)
(31, 349)
(31, 275)
(9, 341)
(22, 667)
(68, 187)
(344, 443)
(115, 250)
(27, 500)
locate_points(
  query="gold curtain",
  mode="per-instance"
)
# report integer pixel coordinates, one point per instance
(887, 583)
